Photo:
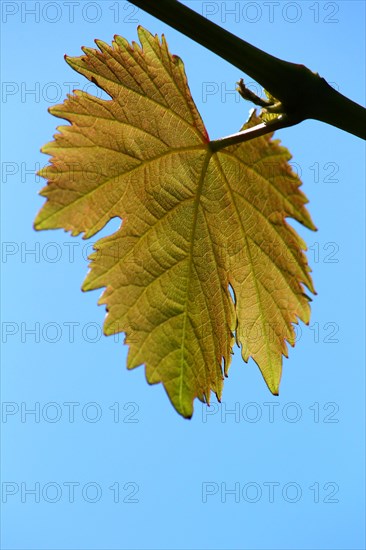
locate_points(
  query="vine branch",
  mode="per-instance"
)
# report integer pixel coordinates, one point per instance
(301, 93)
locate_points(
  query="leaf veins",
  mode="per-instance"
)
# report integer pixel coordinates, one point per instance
(195, 223)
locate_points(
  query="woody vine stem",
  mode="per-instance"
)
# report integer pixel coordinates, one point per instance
(300, 93)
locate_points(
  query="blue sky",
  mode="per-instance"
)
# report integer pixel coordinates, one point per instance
(104, 462)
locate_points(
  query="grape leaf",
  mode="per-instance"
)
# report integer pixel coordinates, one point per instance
(204, 256)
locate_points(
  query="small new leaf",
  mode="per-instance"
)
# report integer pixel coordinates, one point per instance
(204, 256)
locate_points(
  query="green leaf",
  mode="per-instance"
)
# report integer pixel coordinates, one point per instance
(204, 255)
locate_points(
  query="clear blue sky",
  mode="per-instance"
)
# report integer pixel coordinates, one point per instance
(110, 463)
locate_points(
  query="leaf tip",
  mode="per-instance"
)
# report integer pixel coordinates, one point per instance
(185, 409)
(273, 382)
(68, 59)
(36, 225)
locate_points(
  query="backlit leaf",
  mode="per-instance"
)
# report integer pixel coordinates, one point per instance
(204, 256)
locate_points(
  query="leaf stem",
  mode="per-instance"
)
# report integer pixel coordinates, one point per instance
(250, 133)
(303, 94)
